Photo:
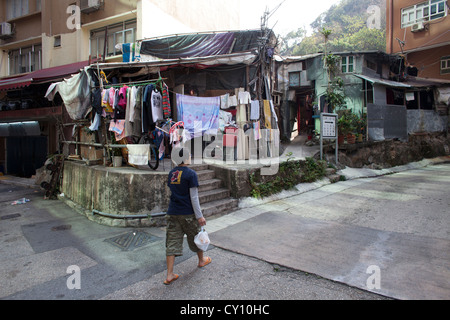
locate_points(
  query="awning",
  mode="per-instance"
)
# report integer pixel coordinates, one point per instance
(383, 82)
(41, 76)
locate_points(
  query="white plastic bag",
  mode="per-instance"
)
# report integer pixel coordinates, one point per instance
(202, 240)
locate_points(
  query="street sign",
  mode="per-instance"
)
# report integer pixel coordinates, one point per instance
(329, 131)
(329, 127)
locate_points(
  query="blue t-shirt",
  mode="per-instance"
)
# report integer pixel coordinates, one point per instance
(180, 180)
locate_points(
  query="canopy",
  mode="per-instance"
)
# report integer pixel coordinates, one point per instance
(41, 76)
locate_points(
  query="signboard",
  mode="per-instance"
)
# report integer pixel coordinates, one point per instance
(328, 130)
(329, 124)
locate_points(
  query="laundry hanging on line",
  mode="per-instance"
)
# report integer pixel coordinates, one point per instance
(199, 114)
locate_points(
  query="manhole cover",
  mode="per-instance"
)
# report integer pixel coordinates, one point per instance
(132, 240)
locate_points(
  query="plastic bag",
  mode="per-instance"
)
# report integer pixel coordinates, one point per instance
(202, 240)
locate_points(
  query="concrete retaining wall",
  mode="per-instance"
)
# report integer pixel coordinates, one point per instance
(118, 191)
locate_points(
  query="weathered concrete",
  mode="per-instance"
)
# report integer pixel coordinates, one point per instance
(412, 267)
(130, 197)
(117, 191)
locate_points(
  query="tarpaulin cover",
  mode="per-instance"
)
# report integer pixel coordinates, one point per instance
(201, 45)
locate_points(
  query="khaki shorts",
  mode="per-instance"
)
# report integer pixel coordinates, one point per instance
(177, 227)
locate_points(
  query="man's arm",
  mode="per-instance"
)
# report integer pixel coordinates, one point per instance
(196, 206)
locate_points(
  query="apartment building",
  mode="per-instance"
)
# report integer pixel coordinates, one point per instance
(420, 30)
(40, 34)
(44, 41)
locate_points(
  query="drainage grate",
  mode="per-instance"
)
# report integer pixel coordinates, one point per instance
(10, 216)
(132, 240)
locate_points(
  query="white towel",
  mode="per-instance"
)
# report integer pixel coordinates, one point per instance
(138, 154)
(254, 110)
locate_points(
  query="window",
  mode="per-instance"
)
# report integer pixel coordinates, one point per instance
(57, 42)
(425, 11)
(445, 65)
(124, 32)
(347, 64)
(16, 8)
(25, 59)
(294, 79)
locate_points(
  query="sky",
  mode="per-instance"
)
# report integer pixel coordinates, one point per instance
(292, 14)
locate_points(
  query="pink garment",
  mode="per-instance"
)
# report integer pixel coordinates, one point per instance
(123, 97)
(112, 96)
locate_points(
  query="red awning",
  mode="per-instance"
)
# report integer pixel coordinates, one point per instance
(42, 76)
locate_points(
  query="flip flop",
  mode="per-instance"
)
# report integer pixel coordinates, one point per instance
(208, 261)
(167, 282)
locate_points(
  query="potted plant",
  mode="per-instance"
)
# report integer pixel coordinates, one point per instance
(359, 137)
(351, 138)
(344, 127)
(116, 153)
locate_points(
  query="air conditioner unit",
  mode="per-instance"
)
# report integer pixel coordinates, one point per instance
(416, 27)
(88, 6)
(5, 30)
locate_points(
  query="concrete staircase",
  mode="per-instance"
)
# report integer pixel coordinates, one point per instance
(214, 199)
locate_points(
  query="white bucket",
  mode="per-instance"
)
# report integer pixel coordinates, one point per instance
(117, 161)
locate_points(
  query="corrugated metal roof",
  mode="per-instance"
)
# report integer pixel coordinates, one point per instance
(383, 82)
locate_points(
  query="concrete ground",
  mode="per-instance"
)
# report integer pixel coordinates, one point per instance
(323, 239)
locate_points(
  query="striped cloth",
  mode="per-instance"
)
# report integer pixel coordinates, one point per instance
(166, 102)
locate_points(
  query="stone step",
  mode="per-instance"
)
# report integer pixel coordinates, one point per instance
(204, 175)
(219, 207)
(199, 167)
(211, 184)
(213, 195)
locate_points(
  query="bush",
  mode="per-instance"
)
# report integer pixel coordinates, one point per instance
(289, 175)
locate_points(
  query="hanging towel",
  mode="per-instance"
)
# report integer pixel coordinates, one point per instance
(225, 101)
(138, 154)
(118, 127)
(257, 130)
(254, 110)
(233, 101)
(267, 114)
(199, 114)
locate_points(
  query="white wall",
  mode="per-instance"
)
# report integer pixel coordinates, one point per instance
(167, 17)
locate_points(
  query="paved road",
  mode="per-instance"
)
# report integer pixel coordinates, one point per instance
(39, 240)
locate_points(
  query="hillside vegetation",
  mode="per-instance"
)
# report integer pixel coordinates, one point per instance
(355, 25)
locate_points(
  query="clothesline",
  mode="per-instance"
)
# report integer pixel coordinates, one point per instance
(133, 83)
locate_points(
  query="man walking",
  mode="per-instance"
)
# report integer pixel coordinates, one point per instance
(184, 215)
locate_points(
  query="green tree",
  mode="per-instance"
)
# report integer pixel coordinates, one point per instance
(348, 20)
